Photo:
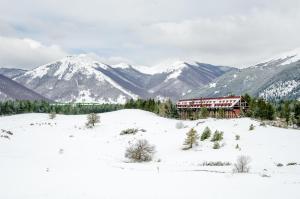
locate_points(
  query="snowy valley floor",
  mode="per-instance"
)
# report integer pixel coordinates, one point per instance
(61, 159)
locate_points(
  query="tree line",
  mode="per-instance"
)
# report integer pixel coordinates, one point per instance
(25, 106)
(289, 110)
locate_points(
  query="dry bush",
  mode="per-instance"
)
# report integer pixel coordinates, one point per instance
(242, 164)
(141, 151)
(92, 119)
(129, 131)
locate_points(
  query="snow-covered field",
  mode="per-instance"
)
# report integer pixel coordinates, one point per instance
(61, 159)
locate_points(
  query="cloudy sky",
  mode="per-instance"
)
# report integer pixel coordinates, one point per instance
(147, 32)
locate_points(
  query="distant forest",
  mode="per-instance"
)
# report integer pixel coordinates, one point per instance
(289, 110)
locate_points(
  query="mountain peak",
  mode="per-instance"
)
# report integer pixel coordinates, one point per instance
(121, 65)
(282, 59)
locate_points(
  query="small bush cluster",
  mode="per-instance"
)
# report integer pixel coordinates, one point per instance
(217, 163)
(279, 165)
(129, 131)
(216, 145)
(237, 137)
(206, 134)
(251, 127)
(218, 136)
(263, 124)
(141, 151)
(291, 164)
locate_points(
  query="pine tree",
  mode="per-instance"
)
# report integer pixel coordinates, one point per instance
(191, 139)
(206, 133)
(204, 113)
(287, 112)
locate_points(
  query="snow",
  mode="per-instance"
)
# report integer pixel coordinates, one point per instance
(279, 89)
(121, 65)
(175, 74)
(71, 65)
(38, 72)
(289, 57)
(293, 56)
(212, 85)
(60, 158)
(165, 67)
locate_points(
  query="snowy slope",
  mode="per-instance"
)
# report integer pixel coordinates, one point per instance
(11, 72)
(83, 79)
(11, 90)
(265, 79)
(75, 79)
(60, 158)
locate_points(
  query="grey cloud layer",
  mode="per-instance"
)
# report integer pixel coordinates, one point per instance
(230, 32)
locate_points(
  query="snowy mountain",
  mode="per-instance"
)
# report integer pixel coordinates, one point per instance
(84, 79)
(11, 90)
(11, 72)
(277, 78)
(184, 77)
(75, 79)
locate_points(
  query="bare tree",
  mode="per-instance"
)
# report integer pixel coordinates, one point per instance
(242, 164)
(141, 151)
(92, 118)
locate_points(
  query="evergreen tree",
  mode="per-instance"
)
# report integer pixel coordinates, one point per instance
(206, 133)
(191, 139)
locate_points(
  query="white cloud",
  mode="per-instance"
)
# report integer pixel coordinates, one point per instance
(27, 53)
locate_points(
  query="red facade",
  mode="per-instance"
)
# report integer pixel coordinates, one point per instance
(232, 106)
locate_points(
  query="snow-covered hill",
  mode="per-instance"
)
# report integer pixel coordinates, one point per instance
(276, 78)
(75, 79)
(84, 79)
(11, 90)
(60, 158)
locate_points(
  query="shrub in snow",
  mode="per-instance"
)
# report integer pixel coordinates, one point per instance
(206, 133)
(52, 115)
(291, 163)
(242, 164)
(237, 137)
(216, 145)
(217, 163)
(218, 136)
(92, 119)
(263, 124)
(237, 146)
(141, 151)
(179, 125)
(251, 127)
(279, 165)
(129, 131)
(191, 139)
